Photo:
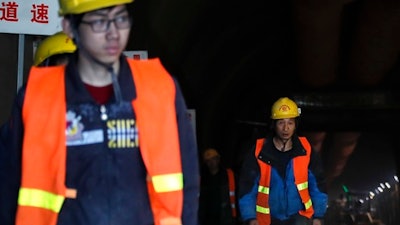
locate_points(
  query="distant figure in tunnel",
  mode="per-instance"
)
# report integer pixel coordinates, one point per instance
(282, 179)
(217, 204)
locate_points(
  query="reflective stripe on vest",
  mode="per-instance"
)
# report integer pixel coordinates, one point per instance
(262, 191)
(41, 199)
(232, 196)
(43, 188)
(168, 182)
(159, 121)
(301, 178)
(300, 167)
(262, 206)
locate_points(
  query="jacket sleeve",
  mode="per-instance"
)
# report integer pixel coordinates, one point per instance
(317, 185)
(190, 164)
(247, 203)
(10, 161)
(248, 185)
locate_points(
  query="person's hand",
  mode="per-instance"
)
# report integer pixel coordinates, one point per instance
(317, 222)
(253, 222)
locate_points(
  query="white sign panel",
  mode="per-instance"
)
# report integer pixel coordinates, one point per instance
(29, 17)
(139, 54)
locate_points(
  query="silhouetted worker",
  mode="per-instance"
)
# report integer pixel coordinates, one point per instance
(217, 191)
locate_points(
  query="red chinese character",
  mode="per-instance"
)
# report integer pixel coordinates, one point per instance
(40, 13)
(8, 11)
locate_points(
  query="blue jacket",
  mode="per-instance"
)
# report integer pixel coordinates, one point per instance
(284, 199)
(111, 181)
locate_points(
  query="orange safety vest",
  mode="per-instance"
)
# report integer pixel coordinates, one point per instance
(43, 190)
(300, 167)
(232, 196)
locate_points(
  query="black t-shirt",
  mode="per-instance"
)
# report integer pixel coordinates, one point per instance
(281, 160)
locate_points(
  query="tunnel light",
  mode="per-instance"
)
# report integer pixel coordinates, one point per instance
(382, 185)
(380, 189)
(387, 185)
(345, 188)
(371, 194)
(396, 178)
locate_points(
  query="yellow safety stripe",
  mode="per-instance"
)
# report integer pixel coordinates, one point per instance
(168, 182)
(308, 204)
(40, 198)
(264, 190)
(262, 210)
(302, 186)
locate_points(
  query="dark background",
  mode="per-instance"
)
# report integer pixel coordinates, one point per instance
(338, 59)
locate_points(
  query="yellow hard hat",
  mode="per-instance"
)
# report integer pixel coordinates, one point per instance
(209, 154)
(58, 43)
(82, 6)
(284, 108)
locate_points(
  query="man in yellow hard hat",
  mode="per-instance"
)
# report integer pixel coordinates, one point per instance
(102, 140)
(51, 51)
(281, 180)
(54, 50)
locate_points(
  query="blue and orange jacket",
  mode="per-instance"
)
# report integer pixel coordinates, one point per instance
(301, 191)
(106, 176)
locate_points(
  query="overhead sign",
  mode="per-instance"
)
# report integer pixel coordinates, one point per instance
(138, 54)
(29, 17)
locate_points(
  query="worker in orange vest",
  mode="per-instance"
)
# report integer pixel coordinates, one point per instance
(87, 142)
(52, 51)
(217, 191)
(282, 178)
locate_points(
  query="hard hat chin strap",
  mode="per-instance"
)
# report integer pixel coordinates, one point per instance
(116, 87)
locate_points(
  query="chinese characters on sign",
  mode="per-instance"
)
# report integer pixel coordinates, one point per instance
(8, 11)
(39, 13)
(29, 17)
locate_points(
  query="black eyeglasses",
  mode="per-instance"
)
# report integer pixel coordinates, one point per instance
(102, 25)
